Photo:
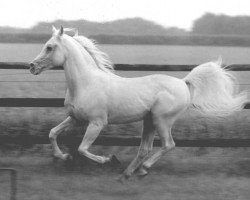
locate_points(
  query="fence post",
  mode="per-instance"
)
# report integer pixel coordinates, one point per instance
(13, 182)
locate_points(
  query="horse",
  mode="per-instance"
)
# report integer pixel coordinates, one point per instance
(97, 97)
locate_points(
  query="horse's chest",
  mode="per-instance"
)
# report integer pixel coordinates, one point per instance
(76, 112)
(84, 107)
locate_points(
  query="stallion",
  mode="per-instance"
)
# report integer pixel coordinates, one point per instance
(98, 97)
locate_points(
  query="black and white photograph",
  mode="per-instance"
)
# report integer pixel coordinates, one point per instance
(124, 100)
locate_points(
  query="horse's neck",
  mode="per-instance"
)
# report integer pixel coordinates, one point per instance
(78, 71)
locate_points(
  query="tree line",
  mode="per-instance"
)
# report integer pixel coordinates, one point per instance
(211, 24)
(209, 29)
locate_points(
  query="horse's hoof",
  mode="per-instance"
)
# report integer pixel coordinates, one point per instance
(67, 157)
(114, 161)
(123, 178)
(142, 172)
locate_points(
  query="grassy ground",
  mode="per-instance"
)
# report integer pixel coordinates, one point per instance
(185, 173)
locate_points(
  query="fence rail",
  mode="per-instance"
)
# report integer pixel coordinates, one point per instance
(122, 141)
(41, 102)
(111, 140)
(133, 67)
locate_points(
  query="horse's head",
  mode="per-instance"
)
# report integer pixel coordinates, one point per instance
(52, 54)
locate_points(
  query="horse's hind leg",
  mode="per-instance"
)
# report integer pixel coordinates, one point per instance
(164, 131)
(69, 122)
(149, 139)
(145, 146)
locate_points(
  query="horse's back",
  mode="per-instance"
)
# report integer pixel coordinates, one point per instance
(130, 99)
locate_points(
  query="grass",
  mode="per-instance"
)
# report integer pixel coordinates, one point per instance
(184, 173)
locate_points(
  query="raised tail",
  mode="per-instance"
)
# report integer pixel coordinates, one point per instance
(213, 90)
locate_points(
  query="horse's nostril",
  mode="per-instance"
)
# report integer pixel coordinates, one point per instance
(32, 65)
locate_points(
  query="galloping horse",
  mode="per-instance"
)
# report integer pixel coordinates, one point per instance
(95, 95)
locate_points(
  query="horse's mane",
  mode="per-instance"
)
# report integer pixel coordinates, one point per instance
(101, 59)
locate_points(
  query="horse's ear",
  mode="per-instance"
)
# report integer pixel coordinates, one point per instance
(76, 32)
(60, 31)
(54, 30)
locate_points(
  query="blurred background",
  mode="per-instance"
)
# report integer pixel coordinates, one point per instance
(171, 32)
(130, 32)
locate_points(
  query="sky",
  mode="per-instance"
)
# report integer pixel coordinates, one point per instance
(180, 13)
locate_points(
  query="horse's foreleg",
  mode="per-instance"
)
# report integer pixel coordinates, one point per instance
(92, 132)
(69, 122)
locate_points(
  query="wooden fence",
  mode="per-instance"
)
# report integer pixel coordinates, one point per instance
(13, 181)
(8, 138)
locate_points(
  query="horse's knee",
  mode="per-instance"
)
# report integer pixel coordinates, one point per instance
(82, 151)
(52, 134)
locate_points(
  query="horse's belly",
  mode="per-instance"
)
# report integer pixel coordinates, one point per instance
(126, 114)
(122, 119)
(128, 104)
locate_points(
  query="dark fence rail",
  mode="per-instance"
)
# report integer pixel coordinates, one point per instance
(41, 102)
(105, 140)
(31, 102)
(110, 140)
(134, 67)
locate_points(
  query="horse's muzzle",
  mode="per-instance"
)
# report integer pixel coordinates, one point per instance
(33, 69)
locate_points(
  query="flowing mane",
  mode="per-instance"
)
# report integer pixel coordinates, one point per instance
(101, 59)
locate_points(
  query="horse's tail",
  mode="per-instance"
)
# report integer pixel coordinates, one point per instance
(213, 90)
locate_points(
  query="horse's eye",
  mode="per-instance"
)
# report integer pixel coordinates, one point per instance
(49, 48)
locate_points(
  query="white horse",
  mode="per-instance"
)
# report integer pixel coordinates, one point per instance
(99, 97)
